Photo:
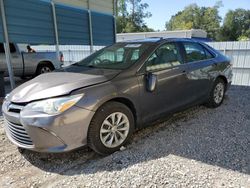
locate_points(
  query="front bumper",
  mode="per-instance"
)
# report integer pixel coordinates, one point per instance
(46, 133)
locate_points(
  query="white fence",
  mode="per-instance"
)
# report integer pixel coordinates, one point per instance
(71, 53)
(238, 52)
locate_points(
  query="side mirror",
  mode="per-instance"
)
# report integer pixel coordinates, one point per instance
(151, 80)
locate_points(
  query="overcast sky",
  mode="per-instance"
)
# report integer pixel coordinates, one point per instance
(162, 10)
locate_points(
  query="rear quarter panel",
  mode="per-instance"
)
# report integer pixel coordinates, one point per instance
(224, 66)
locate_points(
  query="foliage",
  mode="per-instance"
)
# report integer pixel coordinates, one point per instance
(243, 38)
(131, 15)
(236, 25)
(195, 17)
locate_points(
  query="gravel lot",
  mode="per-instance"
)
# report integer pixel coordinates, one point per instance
(197, 148)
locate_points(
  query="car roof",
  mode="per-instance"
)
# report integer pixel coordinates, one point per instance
(159, 40)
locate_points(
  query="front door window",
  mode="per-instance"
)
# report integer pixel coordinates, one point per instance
(166, 56)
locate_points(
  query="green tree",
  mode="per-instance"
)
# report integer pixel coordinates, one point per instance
(195, 17)
(121, 15)
(131, 15)
(236, 25)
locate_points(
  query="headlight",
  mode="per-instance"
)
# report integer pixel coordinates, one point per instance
(53, 106)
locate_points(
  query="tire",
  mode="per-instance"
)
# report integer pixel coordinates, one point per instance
(44, 68)
(105, 137)
(217, 94)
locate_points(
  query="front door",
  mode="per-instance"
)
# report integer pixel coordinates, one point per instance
(172, 82)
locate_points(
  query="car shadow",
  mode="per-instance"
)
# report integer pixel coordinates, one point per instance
(219, 137)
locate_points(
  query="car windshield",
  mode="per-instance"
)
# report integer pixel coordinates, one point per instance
(117, 56)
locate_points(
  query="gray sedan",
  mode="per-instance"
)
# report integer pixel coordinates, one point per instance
(102, 99)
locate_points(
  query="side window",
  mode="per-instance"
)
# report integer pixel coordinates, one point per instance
(12, 48)
(1, 48)
(194, 52)
(166, 56)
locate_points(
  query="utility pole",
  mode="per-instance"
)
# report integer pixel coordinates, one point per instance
(90, 29)
(7, 46)
(115, 14)
(55, 30)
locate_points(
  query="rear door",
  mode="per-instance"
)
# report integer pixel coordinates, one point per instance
(201, 66)
(170, 93)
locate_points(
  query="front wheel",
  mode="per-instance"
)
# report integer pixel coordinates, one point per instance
(111, 128)
(217, 94)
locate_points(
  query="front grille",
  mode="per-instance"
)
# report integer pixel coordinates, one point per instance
(18, 134)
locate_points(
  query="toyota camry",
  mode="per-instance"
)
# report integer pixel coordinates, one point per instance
(101, 100)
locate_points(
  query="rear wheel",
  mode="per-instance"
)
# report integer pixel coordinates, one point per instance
(44, 68)
(217, 94)
(111, 128)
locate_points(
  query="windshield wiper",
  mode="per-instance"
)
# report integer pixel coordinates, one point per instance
(78, 65)
(91, 66)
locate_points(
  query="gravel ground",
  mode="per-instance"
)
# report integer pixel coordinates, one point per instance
(197, 148)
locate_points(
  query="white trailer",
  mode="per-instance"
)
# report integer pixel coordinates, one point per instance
(193, 33)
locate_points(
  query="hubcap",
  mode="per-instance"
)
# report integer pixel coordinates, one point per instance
(218, 93)
(45, 70)
(114, 130)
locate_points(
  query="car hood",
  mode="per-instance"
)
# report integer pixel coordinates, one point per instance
(57, 84)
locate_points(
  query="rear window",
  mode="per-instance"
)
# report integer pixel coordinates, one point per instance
(194, 52)
(208, 54)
